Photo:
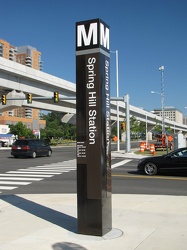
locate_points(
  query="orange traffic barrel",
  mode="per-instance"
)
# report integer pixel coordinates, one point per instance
(115, 138)
(152, 148)
(142, 147)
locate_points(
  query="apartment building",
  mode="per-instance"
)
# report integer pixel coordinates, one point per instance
(25, 55)
(170, 113)
(7, 50)
(185, 120)
(30, 57)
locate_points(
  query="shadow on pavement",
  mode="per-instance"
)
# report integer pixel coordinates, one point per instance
(67, 246)
(63, 220)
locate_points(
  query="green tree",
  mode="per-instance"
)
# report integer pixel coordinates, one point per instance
(56, 129)
(169, 130)
(134, 124)
(113, 131)
(20, 129)
(137, 127)
(158, 128)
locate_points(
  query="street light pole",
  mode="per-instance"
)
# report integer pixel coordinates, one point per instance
(126, 100)
(117, 95)
(154, 92)
(162, 97)
(146, 128)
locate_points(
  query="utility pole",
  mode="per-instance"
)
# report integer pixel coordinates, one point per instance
(126, 100)
(117, 103)
(162, 97)
(117, 94)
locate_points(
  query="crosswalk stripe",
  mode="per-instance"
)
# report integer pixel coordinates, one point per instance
(7, 188)
(27, 175)
(12, 179)
(119, 163)
(49, 167)
(42, 170)
(15, 183)
(52, 168)
(20, 179)
(57, 166)
(33, 172)
(70, 163)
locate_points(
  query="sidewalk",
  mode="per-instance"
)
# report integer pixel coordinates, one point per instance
(46, 222)
(124, 154)
(49, 222)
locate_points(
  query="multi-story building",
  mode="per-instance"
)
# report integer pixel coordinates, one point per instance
(7, 50)
(185, 120)
(170, 113)
(25, 55)
(30, 57)
(34, 124)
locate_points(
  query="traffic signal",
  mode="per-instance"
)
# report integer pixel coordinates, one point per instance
(29, 98)
(3, 99)
(123, 126)
(56, 96)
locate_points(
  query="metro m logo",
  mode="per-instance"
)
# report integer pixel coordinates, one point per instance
(81, 35)
(104, 36)
(92, 34)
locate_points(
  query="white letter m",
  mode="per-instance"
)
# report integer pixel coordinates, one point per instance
(81, 33)
(104, 37)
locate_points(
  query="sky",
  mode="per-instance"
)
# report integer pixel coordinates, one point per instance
(146, 33)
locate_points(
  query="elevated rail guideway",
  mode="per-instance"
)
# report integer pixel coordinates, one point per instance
(18, 80)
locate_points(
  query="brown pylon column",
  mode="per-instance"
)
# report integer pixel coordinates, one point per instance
(93, 128)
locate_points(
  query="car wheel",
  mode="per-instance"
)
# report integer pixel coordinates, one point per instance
(150, 168)
(33, 154)
(49, 153)
(15, 156)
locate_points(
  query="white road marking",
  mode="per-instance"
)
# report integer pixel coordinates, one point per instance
(25, 171)
(52, 168)
(119, 163)
(7, 188)
(27, 175)
(20, 179)
(14, 183)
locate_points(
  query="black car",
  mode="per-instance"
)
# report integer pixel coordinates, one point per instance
(175, 160)
(30, 148)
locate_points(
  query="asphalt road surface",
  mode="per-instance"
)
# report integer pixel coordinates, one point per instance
(57, 174)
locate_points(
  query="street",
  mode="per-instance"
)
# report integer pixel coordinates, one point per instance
(57, 174)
